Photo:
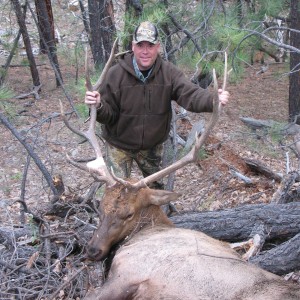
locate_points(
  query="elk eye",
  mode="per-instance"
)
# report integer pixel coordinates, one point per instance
(130, 216)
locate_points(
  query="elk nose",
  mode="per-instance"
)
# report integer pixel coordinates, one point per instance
(93, 252)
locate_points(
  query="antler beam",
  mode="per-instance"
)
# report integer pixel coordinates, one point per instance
(200, 139)
(98, 165)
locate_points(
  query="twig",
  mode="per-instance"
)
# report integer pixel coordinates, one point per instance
(53, 296)
(23, 189)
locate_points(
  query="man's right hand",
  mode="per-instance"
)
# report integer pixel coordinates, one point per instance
(92, 98)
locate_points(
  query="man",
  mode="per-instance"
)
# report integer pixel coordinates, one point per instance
(134, 104)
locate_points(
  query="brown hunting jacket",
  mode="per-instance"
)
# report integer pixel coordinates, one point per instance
(137, 115)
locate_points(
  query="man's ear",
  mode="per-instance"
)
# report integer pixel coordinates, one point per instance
(160, 197)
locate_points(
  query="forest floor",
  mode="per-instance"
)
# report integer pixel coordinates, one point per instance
(206, 185)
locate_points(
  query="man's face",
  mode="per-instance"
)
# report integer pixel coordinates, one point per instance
(145, 54)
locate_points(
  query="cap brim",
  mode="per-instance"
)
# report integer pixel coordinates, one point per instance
(145, 40)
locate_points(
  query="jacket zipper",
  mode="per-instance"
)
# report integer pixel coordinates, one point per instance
(145, 107)
(149, 100)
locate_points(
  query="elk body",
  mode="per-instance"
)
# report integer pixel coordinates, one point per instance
(157, 260)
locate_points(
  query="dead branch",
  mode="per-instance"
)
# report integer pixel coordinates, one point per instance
(284, 192)
(259, 167)
(34, 92)
(255, 124)
(31, 152)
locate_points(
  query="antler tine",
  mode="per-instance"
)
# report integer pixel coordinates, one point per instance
(98, 165)
(107, 66)
(95, 174)
(225, 72)
(192, 155)
(88, 83)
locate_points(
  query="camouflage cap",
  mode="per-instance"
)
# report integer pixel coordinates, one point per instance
(146, 31)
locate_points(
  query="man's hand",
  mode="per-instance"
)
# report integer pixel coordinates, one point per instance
(92, 98)
(223, 96)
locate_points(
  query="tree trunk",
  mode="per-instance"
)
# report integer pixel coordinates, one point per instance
(46, 25)
(102, 30)
(86, 24)
(26, 40)
(294, 89)
(46, 30)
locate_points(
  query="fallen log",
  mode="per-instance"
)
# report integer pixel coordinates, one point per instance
(281, 259)
(259, 167)
(285, 193)
(236, 224)
(282, 128)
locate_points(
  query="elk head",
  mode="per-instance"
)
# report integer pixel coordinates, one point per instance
(124, 211)
(126, 206)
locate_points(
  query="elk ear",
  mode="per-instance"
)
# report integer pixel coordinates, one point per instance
(161, 197)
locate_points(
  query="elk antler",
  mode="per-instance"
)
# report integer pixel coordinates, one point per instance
(200, 139)
(98, 165)
(111, 58)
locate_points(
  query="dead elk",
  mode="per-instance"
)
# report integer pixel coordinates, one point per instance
(159, 261)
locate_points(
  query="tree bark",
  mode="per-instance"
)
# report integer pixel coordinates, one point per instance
(46, 30)
(280, 221)
(282, 259)
(86, 24)
(256, 124)
(285, 193)
(102, 30)
(260, 168)
(24, 32)
(272, 222)
(45, 23)
(10, 57)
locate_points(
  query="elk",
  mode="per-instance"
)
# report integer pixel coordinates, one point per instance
(156, 260)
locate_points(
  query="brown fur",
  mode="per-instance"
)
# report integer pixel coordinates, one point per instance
(160, 261)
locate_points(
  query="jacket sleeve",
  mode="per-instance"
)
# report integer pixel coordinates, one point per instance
(189, 95)
(108, 113)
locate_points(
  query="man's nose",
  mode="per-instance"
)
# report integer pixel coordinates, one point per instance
(145, 48)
